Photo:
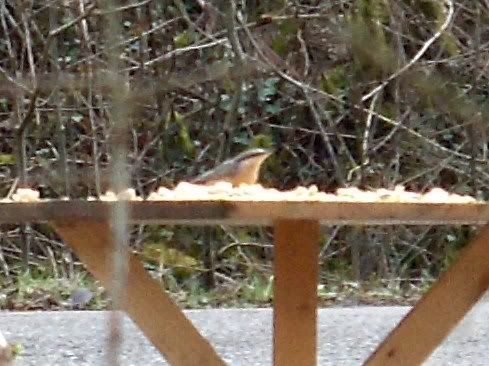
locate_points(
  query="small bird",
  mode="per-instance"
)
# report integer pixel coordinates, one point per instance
(80, 298)
(242, 169)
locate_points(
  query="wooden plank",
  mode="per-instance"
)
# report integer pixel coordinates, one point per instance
(55, 210)
(296, 262)
(435, 315)
(157, 315)
(251, 213)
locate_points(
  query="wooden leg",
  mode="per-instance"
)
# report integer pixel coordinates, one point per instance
(296, 253)
(437, 313)
(157, 315)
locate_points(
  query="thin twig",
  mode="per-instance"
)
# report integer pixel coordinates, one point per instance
(119, 182)
(366, 133)
(62, 28)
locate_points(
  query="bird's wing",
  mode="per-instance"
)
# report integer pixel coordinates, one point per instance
(219, 173)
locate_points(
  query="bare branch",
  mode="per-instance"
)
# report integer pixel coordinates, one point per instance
(418, 55)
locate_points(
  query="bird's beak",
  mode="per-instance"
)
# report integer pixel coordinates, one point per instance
(268, 152)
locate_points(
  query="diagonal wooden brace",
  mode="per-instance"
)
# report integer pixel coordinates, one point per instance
(437, 313)
(147, 304)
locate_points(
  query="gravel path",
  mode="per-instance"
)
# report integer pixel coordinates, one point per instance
(243, 337)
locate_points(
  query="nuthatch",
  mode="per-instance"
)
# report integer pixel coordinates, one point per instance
(242, 169)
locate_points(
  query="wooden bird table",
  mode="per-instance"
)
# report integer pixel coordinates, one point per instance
(85, 226)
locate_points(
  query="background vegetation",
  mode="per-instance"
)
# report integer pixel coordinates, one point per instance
(367, 93)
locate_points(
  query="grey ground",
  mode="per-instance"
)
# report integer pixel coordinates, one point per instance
(243, 337)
